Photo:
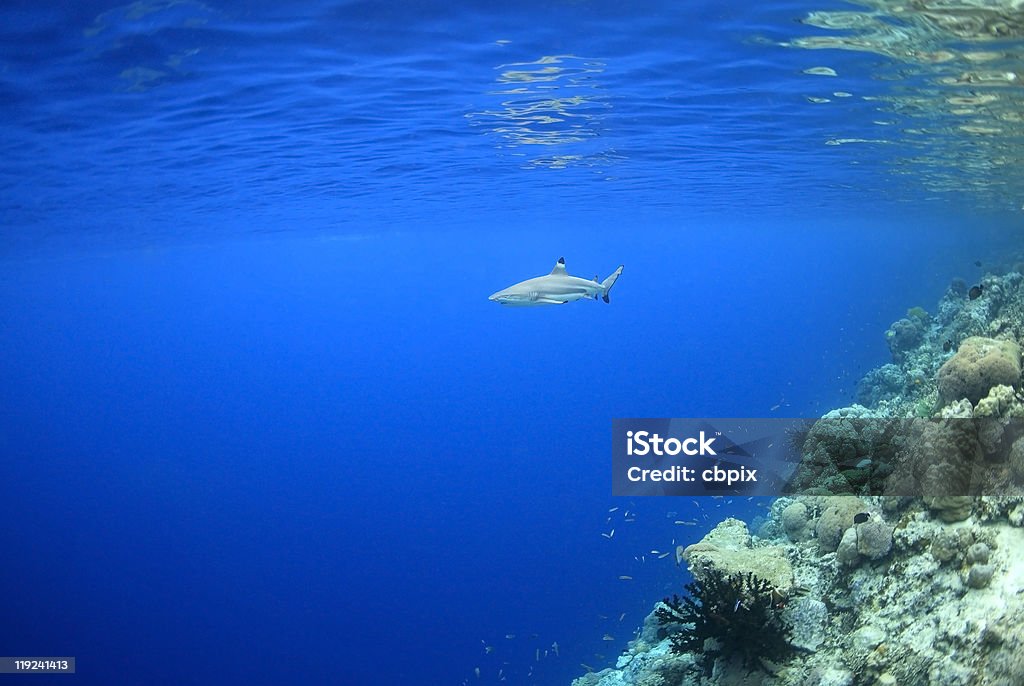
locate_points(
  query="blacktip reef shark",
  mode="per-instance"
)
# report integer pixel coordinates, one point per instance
(556, 288)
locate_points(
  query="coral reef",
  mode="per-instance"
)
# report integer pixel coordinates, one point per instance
(922, 345)
(914, 574)
(926, 603)
(964, 363)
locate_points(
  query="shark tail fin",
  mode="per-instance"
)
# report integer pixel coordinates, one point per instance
(609, 282)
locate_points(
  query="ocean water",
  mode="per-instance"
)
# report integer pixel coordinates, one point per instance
(259, 422)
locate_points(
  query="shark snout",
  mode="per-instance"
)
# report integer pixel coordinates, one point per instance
(500, 296)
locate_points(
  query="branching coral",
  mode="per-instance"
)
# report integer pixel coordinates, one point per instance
(741, 613)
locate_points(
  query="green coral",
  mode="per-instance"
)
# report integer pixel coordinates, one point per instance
(924, 408)
(918, 313)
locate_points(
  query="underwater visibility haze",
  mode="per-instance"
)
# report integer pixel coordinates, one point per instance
(260, 423)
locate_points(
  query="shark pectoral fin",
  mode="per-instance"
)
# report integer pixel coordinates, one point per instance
(550, 301)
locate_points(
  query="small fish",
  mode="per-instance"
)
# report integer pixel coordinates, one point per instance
(554, 647)
(625, 577)
(476, 670)
(536, 654)
(663, 556)
(488, 650)
(774, 407)
(622, 616)
(608, 637)
(975, 292)
(655, 552)
(608, 535)
(861, 517)
(977, 263)
(587, 667)
(686, 523)
(947, 346)
(510, 636)
(613, 509)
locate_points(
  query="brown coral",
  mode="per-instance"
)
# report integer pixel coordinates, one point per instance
(978, 365)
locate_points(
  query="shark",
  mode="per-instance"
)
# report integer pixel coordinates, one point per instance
(556, 288)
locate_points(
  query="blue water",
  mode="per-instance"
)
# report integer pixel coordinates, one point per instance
(259, 423)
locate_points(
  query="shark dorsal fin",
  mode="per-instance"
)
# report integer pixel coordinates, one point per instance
(559, 269)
